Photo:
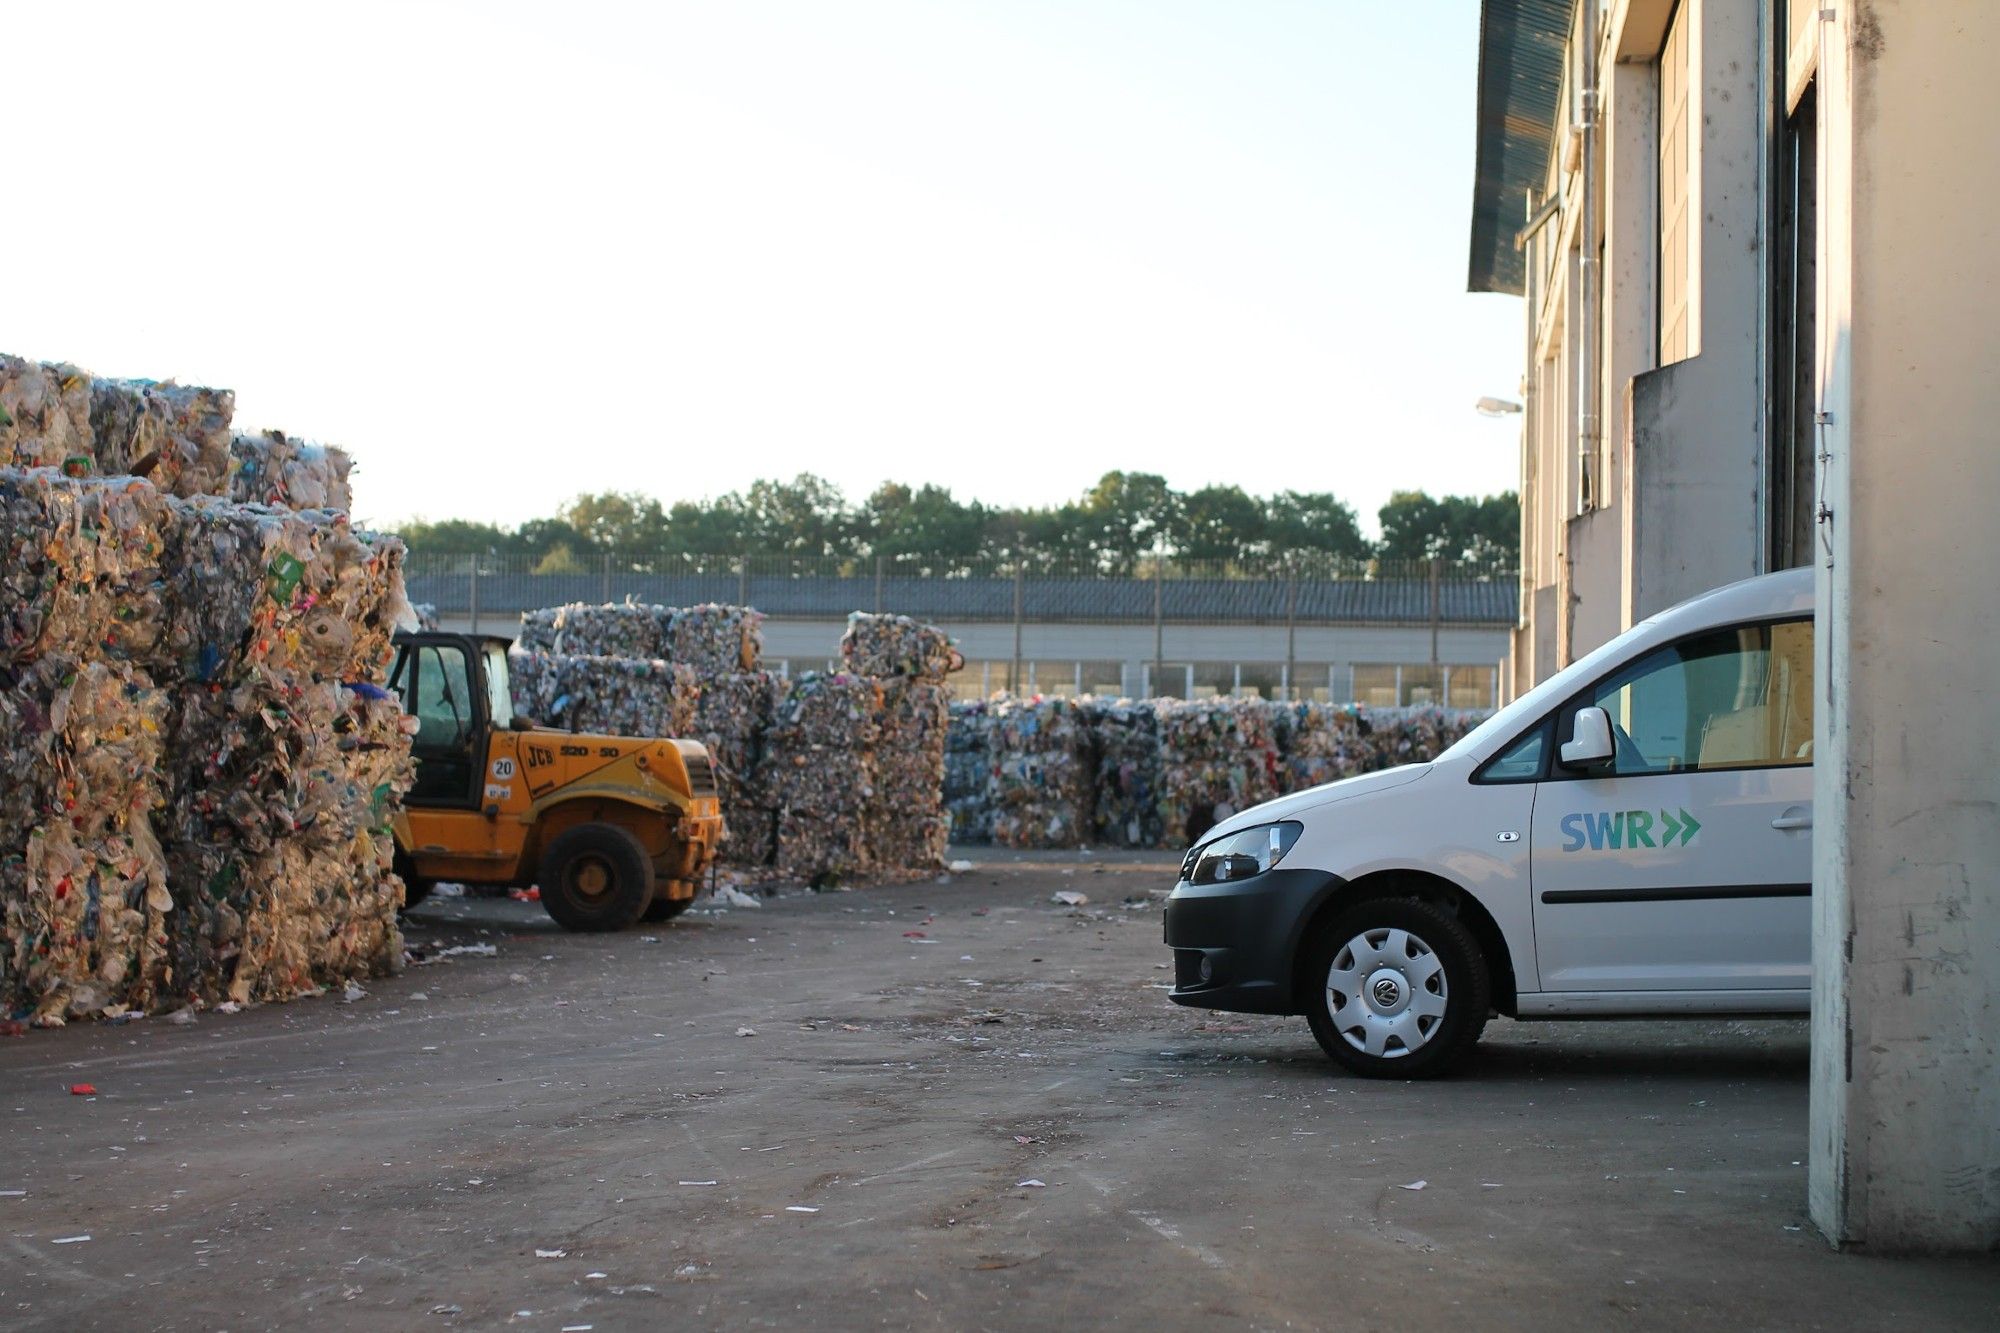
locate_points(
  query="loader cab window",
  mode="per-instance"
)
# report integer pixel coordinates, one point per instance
(436, 686)
(444, 699)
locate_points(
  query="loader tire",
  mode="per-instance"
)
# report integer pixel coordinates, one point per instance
(596, 877)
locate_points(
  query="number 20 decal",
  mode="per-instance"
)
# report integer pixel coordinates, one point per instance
(503, 769)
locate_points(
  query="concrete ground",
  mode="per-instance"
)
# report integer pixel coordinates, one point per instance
(834, 1110)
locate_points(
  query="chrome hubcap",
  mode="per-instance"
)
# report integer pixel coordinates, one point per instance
(1386, 992)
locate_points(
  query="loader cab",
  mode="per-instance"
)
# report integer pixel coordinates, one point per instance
(456, 686)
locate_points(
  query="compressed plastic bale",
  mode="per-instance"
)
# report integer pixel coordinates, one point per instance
(967, 771)
(1218, 757)
(715, 639)
(80, 567)
(273, 468)
(616, 696)
(1320, 743)
(618, 629)
(83, 886)
(731, 717)
(1129, 803)
(176, 435)
(44, 415)
(279, 844)
(906, 826)
(819, 774)
(1041, 773)
(274, 590)
(884, 645)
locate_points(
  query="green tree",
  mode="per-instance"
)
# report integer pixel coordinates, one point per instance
(897, 521)
(1126, 515)
(1460, 528)
(804, 516)
(456, 536)
(617, 521)
(1218, 523)
(1299, 522)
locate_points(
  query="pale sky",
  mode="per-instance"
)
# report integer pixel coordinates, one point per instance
(506, 253)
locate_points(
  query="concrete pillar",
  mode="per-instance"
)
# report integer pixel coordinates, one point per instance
(1905, 1150)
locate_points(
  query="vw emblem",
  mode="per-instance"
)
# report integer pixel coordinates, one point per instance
(1387, 991)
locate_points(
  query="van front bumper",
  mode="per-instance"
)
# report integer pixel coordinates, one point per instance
(1234, 944)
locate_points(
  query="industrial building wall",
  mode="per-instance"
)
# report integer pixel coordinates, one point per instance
(1905, 1149)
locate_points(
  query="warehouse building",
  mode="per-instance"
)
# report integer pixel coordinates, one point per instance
(1406, 638)
(1757, 245)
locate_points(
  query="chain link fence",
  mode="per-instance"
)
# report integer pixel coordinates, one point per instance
(1299, 590)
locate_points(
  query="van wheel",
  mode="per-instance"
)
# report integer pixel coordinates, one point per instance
(1399, 989)
(596, 877)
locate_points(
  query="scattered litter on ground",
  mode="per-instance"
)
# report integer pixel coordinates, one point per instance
(551, 1254)
(1069, 898)
(69, 1240)
(1030, 1185)
(83, 1089)
(746, 1032)
(799, 1208)
(1414, 1185)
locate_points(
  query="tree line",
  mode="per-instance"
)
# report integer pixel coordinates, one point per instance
(1118, 524)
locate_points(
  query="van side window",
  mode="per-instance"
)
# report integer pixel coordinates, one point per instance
(1519, 762)
(1731, 698)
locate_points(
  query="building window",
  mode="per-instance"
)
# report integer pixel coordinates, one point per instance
(1676, 176)
(1794, 378)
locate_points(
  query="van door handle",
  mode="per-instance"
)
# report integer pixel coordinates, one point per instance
(1793, 821)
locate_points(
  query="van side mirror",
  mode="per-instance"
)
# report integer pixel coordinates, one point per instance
(1590, 739)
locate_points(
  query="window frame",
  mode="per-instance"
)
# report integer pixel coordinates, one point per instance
(1564, 714)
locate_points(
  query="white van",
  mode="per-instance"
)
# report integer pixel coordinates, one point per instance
(1632, 838)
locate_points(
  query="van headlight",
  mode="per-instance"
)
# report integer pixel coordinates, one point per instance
(1247, 852)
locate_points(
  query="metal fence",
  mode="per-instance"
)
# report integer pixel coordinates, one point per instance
(1277, 591)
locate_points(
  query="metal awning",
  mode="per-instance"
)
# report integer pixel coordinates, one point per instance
(1521, 45)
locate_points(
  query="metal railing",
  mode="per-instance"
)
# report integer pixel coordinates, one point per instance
(1278, 590)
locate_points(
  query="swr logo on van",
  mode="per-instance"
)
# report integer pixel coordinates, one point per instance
(1611, 830)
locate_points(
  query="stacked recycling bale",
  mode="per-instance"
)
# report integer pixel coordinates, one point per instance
(1218, 756)
(275, 469)
(1042, 771)
(289, 757)
(44, 414)
(615, 696)
(968, 771)
(883, 645)
(713, 639)
(1129, 798)
(239, 845)
(1319, 743)
(731, 717)
(906, 827)
(197, 805)
(819, 772)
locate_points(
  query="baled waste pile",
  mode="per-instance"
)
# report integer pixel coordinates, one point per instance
(275, 469)
(1156, 764)
(1320, 743)
(1218, 756)
(618, 696)
(1041, 773)
(44, 414)
(967, 771)
(630, 630)
(176, 436)
(906, 828)
(84, 900)
(879, 645)
(731, 717)
(715, 639)
(1125, 739)
(205, 765)
(819, 771)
